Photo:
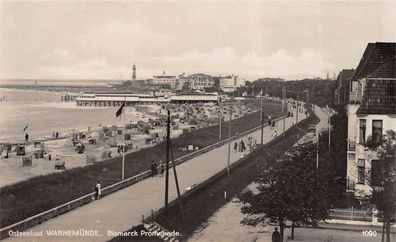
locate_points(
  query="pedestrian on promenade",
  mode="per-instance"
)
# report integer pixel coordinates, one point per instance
(153, 169)
(243, 146)
(235, 147)
(276, 236)
(161, 167)
(56, 134)
(98, 190)
(26, 137)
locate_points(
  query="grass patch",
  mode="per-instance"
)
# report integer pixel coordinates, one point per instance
(27, 198)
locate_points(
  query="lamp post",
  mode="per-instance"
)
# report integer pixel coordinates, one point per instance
(229, 143)
(220, 117)
(262, 125)
(329, 128)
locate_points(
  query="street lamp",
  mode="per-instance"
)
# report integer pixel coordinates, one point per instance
(229, 142)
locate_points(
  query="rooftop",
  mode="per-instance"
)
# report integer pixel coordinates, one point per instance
(379, 97)
(375, 56)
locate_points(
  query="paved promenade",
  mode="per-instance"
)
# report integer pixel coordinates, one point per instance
(123, 209)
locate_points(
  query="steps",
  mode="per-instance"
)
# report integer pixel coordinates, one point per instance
(156, 228)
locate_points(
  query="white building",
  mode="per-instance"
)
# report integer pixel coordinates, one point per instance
(165, 80)
(200, 81)
(230, 83)
(371, 112)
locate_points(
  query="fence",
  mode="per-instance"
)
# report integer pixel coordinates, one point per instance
(351, 214)
(66, 207)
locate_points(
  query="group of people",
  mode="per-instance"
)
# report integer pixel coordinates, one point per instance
(241, 146)
(157, 168)
(55, 134)
(271, 123)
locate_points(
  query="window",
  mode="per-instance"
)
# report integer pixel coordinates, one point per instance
(377, 129)
(362, 131)
(361, 171)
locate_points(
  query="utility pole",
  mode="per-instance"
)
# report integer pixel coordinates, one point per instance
(329, 128)
(262, 127)
(220, 117)
(229, 143)
(297, 109)
(261, 105)
(283, 107)
(177, 184)
(167, 161)
(317, 151)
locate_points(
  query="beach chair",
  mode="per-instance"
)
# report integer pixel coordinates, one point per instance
(20, 150)
(106, 154)
(60, 165)
(27, 161)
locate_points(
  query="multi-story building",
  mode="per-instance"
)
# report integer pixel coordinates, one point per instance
(200, 81)
(230, 83)
(165, 80)
(342, 91)
(371, 111)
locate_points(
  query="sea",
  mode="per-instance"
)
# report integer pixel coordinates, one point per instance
(43, 112)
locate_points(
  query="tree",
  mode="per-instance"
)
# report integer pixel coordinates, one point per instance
(289, 190)
(383, 177)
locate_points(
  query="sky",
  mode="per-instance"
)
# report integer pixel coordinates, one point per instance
(102, 40)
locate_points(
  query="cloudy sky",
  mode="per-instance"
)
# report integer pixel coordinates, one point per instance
(102, 40)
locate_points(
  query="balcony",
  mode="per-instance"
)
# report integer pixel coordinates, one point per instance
(351, 146)
(355, 96)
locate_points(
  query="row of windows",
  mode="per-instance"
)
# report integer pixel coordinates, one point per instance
(376, 130)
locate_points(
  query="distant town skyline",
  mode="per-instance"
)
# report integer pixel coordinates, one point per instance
(103, 40)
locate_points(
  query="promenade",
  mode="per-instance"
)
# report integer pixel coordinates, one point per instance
(123, 209)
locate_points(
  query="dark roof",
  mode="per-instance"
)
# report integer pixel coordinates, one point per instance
(375, 55)
(213, 89)
(379, 97)
(163, 76)
(386, 70)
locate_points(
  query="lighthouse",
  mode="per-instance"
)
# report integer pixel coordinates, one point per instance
(133, 73)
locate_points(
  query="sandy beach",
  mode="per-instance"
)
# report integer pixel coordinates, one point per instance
(101, 137)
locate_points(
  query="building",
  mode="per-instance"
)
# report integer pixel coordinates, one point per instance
(342, 91)
(183, 83)
(195, 98)
(116, 99)
(165, 80)
(371, 111)
(200, 81)
(230, 83)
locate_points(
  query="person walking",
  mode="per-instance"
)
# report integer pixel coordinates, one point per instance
(26, 137)
(235, 147)
(276, 236)
(161, 167)
(98, 190)
(153, 169)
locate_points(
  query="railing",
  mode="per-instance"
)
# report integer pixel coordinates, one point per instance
(66, 207)
(355, 96)
(351, 214)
